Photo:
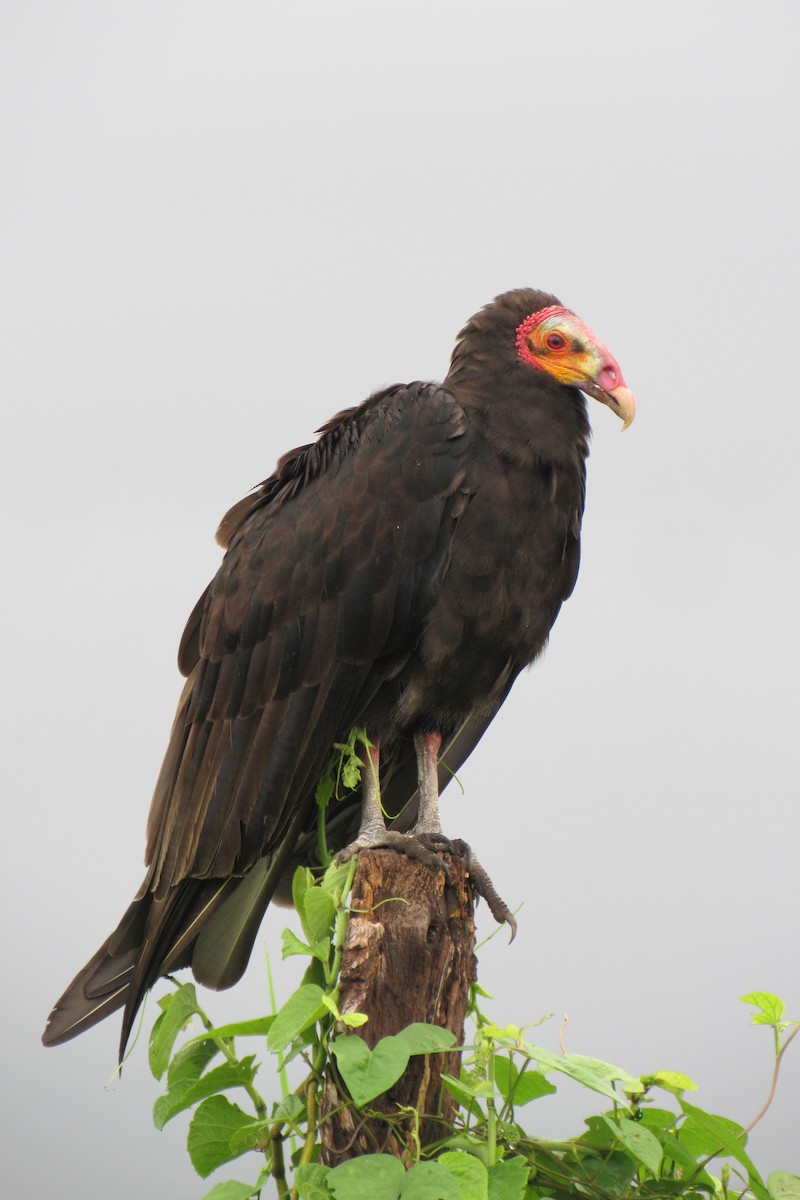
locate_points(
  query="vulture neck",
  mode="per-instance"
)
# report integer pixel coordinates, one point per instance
(524, 413)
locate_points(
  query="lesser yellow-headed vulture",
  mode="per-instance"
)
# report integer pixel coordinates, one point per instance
(397, 574)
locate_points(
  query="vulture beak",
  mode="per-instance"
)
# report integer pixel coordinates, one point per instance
(619, 399)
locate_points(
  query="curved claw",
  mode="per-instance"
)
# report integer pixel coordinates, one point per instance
(485, 888)
(420, 846)
(483, 884)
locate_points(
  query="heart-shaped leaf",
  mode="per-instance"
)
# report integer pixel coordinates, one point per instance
(471, 1174)
(426, 1039)
(366, 1072)
(430, 1181)
(370, 1177)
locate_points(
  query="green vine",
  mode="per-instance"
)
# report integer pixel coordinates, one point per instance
(650, 1143)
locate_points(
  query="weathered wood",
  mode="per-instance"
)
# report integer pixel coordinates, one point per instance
(409, 956)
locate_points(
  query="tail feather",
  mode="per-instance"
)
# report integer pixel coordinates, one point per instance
(211, 924)
(95, 992)
(154, 938)
(119, 974)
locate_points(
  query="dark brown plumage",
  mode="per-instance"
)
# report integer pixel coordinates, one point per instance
(398, 573)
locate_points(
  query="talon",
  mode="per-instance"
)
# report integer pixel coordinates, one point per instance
(434, 838)
(485, 888)
(461, 849)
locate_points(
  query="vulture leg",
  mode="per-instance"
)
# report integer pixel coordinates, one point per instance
(429, 830)
(372, 832)
(373, 826)
(427, 746)
(427, 836)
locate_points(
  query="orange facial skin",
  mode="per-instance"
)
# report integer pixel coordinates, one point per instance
(556, 341)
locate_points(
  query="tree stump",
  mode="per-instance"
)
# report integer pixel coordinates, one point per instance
(409, 956)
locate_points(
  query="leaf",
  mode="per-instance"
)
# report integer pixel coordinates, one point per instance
(213, 1126)
(670, 1081)
(508, 1180)
(291, 1108)
(641, 1143)
(350, 765)
(188, 1064)
(254, 1136)
(231, 1190)
(370, 1177)
(465, 1089)
(530, 1086)
(291, 944)
(771, 1007)
(509, 1132)
(657, 1119)
(465, 1097)
(321, 950)
(506, 1075)
(470, 1145)
(426, 1039)
(366, 1072)
(430, 1181)
(315, 973)
(319, 914)
(334, 879)
(311, 1181)
(256, 1027)
(675, 1151)
(728, 1142)
(599, 1135)
(519, 1088)
(177, 1008)
(324, 791)
(783, 1186)
(354, 1020)
(330, 1003)
(302, 1009)
(186, 1093)
(471, 1174)
(613, 1174)
(584, 1069)
(302, 880)
(591, 1072)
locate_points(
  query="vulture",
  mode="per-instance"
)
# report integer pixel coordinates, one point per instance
(395, 575)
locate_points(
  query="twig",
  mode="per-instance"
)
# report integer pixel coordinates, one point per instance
(770, 1097)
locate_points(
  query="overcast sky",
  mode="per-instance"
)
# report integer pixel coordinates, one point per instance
(222, 223)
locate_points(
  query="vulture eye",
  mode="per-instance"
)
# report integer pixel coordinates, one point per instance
(555, 341)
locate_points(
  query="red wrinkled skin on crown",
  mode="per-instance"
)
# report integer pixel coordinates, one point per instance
(523, 350)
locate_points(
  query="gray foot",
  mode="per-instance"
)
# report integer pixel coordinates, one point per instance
(407, 843)
(427, 849)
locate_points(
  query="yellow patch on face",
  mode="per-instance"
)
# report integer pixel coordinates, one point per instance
(563, 349)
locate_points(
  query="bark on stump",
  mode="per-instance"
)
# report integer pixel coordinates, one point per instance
(409, 956)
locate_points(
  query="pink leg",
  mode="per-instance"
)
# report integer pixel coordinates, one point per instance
(428, 746)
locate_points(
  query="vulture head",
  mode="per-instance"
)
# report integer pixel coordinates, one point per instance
(540, 334)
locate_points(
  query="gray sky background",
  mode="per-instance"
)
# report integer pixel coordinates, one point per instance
(221, 223)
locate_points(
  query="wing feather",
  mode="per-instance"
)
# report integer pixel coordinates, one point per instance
(330, 567)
